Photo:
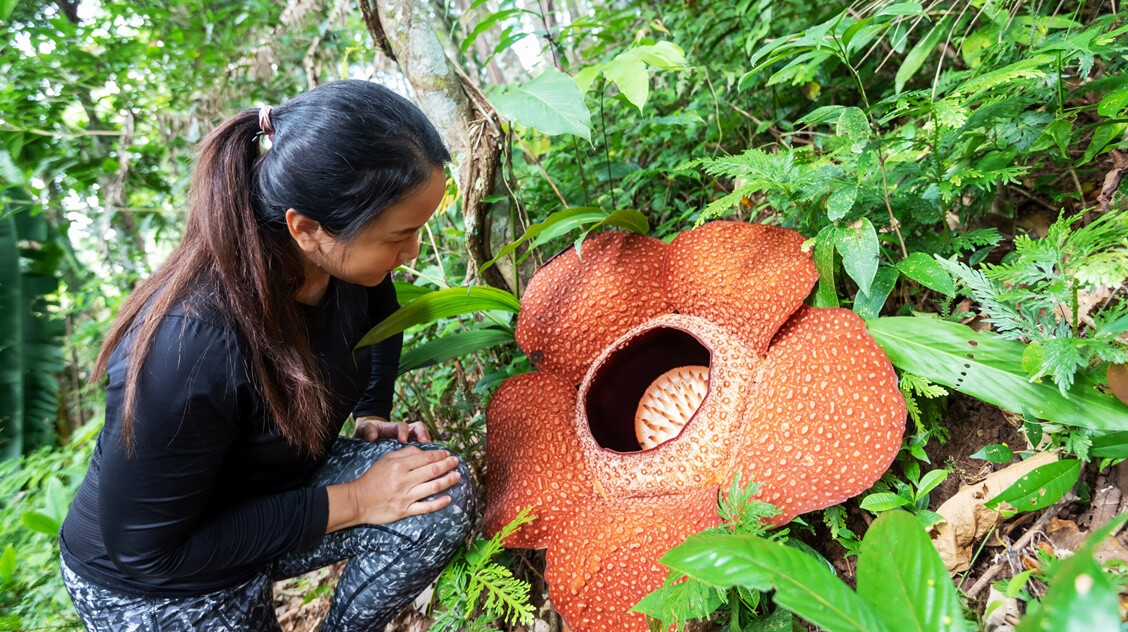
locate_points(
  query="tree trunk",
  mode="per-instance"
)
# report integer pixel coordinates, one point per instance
(404, 30)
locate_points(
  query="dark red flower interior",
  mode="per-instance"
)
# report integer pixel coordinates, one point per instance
(620, 382)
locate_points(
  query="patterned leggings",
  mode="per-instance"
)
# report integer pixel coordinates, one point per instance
(388, 566)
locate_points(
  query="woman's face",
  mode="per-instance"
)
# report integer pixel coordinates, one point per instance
(382, 246)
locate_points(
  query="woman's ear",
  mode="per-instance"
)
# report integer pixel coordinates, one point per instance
(304, 230)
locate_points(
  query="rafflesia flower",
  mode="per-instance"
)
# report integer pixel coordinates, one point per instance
(663, 371)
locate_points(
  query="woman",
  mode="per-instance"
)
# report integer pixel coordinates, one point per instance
(232, 370)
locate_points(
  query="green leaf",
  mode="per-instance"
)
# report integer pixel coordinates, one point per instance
(840, 202)
(857, 243)
(563, 222)
(919, 53)
(453, 346)
(629, 73)
(1042, 487)
(1113, 445)
(826, 295)
(55, 499)
(995, 453)
(664, 55)
(989, 368)
(6, 8)
(677, 603)
(586, 76)
(42, 523)
(1080, 595)
(1113, 103)
(924, 270)
(883, 501)
(901, 8)
(852, 123)
(441, 304)
(803, 585)
(1103, 135)
(902, 577)
(930, 481)
(551, 103)
(868, 306)
(407, 292)
(1060, 130)
(8, 563)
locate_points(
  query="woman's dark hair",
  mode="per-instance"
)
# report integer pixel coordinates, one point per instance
(341, 154)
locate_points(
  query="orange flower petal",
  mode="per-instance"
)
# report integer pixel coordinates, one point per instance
(747, 278)
(604, 559)
(533, 457)
(827, 419)
(573, 306)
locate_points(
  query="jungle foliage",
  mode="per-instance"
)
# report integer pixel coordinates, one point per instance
(955, 164)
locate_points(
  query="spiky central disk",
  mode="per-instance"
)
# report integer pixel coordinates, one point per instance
(668, 403)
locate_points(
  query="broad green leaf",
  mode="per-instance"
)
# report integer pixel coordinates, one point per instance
(8, 563)
(902, 577)
(995, 453)
(868, 306)
(1042, 487)
(564, 222)
(989, 368)
(803, 585)
(1113, 445)
(901, 8)
(883, 501)
(852, 123)
(1060, 130)
(857, 243)
(407, 292)
(919, 54)
(825, 295)
(441, 304)
(10, 174)
(930, 481)
(55, 498)
(629, 73)
(587, 75)
(822, 115)
(664, 55)
(1080, 596)
(6, 8)
(924, 270)
(1113, 103)
(1103, 135)
(40, 522)
(452, 346)
(840, 202)
(552, 103)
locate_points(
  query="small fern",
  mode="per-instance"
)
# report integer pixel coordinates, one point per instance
(474, 591)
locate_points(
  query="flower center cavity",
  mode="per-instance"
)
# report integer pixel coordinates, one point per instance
(647, 390)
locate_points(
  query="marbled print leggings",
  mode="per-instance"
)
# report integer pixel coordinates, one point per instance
(389, 565)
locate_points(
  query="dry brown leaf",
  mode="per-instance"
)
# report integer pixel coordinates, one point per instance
(1066, 536)
(967, 519)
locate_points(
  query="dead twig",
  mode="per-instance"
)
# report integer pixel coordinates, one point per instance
(988, 575)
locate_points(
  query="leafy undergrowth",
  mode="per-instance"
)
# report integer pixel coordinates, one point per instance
(1008, 568)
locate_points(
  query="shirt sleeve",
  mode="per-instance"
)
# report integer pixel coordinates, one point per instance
(160, 514)
(377, 398)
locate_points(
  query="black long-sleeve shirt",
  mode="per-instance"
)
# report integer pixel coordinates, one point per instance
(211, 491)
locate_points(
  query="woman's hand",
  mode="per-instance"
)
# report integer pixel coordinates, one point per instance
(373, 428)
(394, 488)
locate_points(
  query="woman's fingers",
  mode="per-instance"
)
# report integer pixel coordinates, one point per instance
(419, 431)
(427, 506)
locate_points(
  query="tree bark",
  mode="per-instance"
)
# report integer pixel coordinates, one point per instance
(404, 30)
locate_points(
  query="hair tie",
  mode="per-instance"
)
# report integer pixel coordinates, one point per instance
(264, 122)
